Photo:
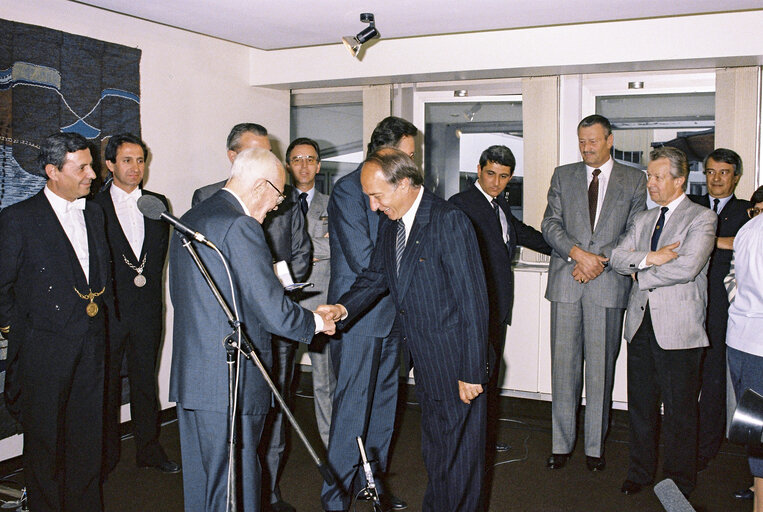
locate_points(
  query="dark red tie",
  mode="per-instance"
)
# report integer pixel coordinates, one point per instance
(593, 197)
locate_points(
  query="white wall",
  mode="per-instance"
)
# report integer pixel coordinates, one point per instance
(650, 44)
(193, 90)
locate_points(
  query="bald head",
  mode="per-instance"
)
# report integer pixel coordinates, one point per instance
(257, 177)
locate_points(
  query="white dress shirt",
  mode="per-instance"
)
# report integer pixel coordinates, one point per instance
(606, 172)
(501, 214)
(722, 201)
(410, 215)
(71, 215)
(746, 311)
(130, 218)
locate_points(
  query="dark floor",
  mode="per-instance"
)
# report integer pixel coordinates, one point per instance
(521, 481)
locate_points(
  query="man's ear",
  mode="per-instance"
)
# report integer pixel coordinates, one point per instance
(110, 165)
(51, 171)
(231, 155)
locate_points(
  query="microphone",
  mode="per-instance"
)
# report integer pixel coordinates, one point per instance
(671, 497)
(153, 208)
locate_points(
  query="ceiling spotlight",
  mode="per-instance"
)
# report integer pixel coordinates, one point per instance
(353, 43)
(460, 93)
(635, 85)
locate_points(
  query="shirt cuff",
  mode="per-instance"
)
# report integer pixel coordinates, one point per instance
(318, 323)
(642, 264)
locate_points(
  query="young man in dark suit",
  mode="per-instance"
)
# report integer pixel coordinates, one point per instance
(55, 294)
(427, 259)
(498, 234)
(722, 168)
(138, 248)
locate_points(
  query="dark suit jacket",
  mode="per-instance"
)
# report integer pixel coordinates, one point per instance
(38, 273)
(496, 255)
(732, 217)
(131, 300)
(285, 230)
(199, 378)
(353, 230)
(440, 296)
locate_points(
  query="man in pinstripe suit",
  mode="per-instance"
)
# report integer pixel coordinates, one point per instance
(427, 258)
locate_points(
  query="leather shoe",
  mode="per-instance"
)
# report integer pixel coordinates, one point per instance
(281, 506)
(595, 463)
(557, 460)
(744, 494)
(166, 466)
(388, 501)
(630, 487)
(502, 447)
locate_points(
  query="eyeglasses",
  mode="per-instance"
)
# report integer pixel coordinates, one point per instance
(281, 197)
(752, 212)
(301, 159)
(722, 172)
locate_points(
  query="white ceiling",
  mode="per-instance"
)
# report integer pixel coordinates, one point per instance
(296, 23)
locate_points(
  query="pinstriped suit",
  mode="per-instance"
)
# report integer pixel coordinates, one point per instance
(442, 315)
(586, 318)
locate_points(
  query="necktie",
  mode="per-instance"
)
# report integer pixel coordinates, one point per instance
(399, 243)
(715, 204)
(495, 210)
(658, 227)
(593, 197)
(303, 202)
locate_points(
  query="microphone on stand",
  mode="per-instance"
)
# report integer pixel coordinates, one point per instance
(153, 208)
(371, 487)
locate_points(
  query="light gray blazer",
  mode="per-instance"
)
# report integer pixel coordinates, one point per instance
(566, 224)
(320, 270)
(677, 290)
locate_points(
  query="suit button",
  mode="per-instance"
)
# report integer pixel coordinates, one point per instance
(590, 244)
(57, 307)
(651, 290)
(402, 311)
(642, 308)
(405, 339)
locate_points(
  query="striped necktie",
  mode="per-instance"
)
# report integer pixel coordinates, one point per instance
(399, 243)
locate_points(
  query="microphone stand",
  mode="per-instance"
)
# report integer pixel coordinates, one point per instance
(247, 349)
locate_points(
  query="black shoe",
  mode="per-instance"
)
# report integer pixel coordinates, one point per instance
(744, 494)
(595, 463)
(388, 501)
(282, 506)
(557, 460)
(502, 447)
(630, 487)
(167, 466)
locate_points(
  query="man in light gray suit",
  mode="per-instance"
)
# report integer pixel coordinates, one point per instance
(303, 160)
(666, 250)
(232, 220)
(590, 206)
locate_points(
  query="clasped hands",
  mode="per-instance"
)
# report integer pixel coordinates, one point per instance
(331, 313)
(588, 265)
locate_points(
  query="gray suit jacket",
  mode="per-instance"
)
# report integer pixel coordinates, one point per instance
(677, 290)
(566, 224)
(199, 378)
(284, 228)
(320, 272)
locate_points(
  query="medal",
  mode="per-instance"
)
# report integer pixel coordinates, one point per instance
(92, 308)
(140, 279)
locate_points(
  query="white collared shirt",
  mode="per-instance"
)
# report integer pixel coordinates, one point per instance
(71, 216)
(722, 201)
(130, 218)
(410, 215)
(246, 210)
(606, 172)
(310, 195)
(746, 311)
(671, 208)
(501, 214)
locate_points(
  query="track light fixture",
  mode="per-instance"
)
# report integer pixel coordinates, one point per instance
(353, 43)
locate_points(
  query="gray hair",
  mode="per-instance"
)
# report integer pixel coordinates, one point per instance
(679, 165)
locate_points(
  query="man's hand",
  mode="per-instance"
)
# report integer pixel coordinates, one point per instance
(662, 255)
(468, 392)
(329, 327)
(334, 311)
(588, 265)
(725, 242)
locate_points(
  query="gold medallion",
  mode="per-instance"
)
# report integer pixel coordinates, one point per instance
(139, 280)
(92, 309)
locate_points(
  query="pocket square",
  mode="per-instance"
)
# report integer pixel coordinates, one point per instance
(422, 260)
